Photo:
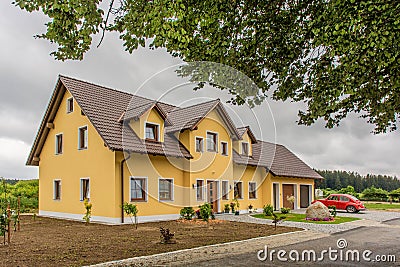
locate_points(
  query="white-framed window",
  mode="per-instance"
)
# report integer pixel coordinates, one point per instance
(56, 189)
(238, 190)
(199, 190)
(245, 148)
(199, 144)
(252, 190)
(224, 148)
(225, 190)
(70, 105)
(212, 141)
(85, 189)
(138, 188)
(152, 132)
(166, 189)
(83, 137)
(59, 144)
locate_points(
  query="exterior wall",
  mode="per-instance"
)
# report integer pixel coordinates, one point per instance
(96, 163)
(247, 174)
(237, 145)
(211, 166)
(286, 180)
(152, 168)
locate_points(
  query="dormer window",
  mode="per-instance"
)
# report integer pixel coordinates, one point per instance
(152, 132)
(70, 105)
(245, 149)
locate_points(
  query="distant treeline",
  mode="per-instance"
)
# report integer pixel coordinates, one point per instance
(27, 190)
(340, 179)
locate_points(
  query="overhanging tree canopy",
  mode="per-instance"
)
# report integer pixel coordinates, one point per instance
(338, 56)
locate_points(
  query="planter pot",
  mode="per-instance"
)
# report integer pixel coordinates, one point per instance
(236, 213)
(226, 211)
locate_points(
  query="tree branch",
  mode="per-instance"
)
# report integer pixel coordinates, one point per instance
(105, 23)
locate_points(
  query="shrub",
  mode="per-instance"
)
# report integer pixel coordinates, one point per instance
(132, 211)
(88, 213)
(233, 205)
(285, 210)
(205, 211)
(373, 193)
(226, 208)
(187, 213)
(332, 210)
(166, 236)
(268, 210)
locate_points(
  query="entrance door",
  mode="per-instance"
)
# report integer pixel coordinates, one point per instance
(288, 190)
(212, 194)
(275, 195)
(305, 196)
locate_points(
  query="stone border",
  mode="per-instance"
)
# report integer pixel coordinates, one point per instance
(217, 250)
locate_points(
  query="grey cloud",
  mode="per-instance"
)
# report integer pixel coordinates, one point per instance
(28, 75)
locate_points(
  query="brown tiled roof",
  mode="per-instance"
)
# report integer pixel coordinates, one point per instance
(189, 117)
(279, 160)
(242, 130)
(105, 109)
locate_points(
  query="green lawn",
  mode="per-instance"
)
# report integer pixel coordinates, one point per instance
(381, 206)
(293, 217)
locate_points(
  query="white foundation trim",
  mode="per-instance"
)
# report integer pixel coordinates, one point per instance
(108, 220)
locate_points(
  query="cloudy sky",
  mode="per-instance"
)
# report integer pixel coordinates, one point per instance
(28, 75)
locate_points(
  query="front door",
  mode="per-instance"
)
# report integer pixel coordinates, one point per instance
(288, 190)
(304, 196)
(212, 194)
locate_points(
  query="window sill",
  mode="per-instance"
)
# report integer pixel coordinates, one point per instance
(165, 200)
(83, 148)
(138, 200)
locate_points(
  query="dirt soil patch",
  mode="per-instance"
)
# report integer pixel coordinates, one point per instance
(53, 242)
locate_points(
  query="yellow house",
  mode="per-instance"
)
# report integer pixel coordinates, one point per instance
(113, 147)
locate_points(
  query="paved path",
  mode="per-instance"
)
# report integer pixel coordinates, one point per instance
(379, 238)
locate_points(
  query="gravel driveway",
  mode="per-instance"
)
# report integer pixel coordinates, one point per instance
(369, 217)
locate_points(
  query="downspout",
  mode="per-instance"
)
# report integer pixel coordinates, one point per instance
(122, 186)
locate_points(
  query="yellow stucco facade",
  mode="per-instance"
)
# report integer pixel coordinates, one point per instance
(214, 170)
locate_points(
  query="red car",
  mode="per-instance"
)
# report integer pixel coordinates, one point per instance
(343, 202)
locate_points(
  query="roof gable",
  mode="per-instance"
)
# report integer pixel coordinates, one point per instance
(103, 107)
(246, 129)
(138, 111)
(190, 117)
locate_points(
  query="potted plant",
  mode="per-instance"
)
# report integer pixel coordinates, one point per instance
(232, 205)
(250, 208)
(237, 205)
(226, 208)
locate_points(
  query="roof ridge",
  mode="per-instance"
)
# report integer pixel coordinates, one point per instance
(263, 141)
(115, 90)
(202, 103)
